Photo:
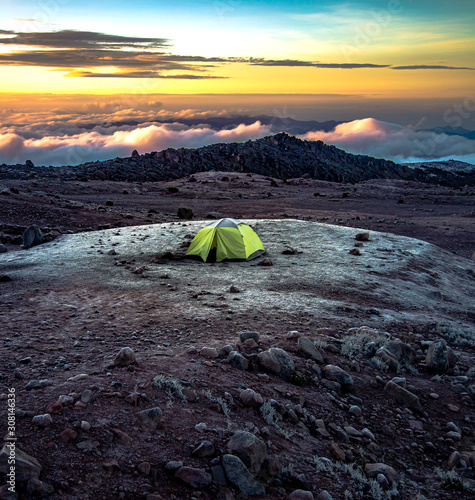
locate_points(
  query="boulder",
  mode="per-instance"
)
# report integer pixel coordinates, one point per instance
(276, 361)
(337, 374)
(32, 236)
(238, 475)
(26, 466)
(196, 478)
(440, 357)
(249, 448)
(125, 357)
(185, 213)
(251, 398)
(373, 469)
(300, 495)
(238, 360)
(243, 336)
(150, 419)
(402, 396)
(308, 349)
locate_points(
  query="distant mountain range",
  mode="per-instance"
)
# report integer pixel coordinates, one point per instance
(280, 156)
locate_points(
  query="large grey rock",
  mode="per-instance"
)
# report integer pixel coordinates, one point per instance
(373, 469)
(308, 349)
(277, 361)
(440, 357)
(240, 477)
(337, 374)
(396, 353)
(251, 398)
(26, 466)
(249, 448)
(402, 396)
(243, 336)
(150, 419)
(32, 236)
(196, 478)
(125, 357)
(185, 213)
(300, 495)
(238, 360)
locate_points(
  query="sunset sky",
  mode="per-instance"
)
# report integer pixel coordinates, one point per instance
(407, 62)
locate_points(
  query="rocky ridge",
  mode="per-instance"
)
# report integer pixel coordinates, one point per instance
(280, 156)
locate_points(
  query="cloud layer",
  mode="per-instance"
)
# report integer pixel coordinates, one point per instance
(395, 142)
(76, 132)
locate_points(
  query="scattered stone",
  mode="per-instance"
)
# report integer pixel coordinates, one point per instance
(402, 396)
(85, 426)
(249, 448)
(185, 213)
(337, 374)
(226, 349)
(324, 495)
(88, 445)
(26, 466)
(362, 237)
(173, 466)
(355, 411)
(3, 248)
(37, 384)
(42, 420)
(237, 360)
(68, 435)
(144, 468)
(125, 357)
(209, 352)
(308, 349)
(372, 471)
(266, 263)
(251, 398)
(337, 452)
(243, 336)
(196, 478)
(354, 251)
(277, 361)
(454, 460)
(238, 475)
(32, 236)
(300, 495)
(87, 396)
(382, 481)
(150, 419)
(4, 278)
(205, 449)
(38, 488)
(440, 357)
(111, 466)
(453, 408)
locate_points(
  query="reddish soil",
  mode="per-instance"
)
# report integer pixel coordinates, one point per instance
(79, 330)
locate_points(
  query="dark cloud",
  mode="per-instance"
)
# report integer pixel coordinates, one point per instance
(73, 39)
(424, 66)
(95, 58)
(297, 63)
(142, 74)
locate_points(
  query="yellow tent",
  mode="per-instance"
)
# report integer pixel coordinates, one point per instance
(231, 238)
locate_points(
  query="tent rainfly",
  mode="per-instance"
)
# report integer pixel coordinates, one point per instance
(231, 238)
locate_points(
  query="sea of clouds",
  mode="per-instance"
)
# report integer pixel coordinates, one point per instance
(102, 131)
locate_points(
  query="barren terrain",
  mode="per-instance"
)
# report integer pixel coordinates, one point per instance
(74, 302)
